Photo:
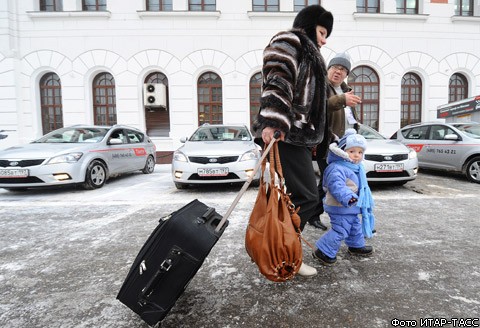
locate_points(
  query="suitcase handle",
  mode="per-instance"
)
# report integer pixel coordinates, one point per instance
(205, 216)
(164, 267)
(276, 135)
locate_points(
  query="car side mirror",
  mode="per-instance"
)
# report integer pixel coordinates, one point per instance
(452, 137)
(183, 139)
(115, 141)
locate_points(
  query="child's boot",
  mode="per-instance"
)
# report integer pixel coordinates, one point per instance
(363, 251)
(324, 259)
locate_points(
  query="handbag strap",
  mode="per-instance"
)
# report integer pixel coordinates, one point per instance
(276, 168)
(306, 242)
(272, 143)
(278, 164)
(272, 165)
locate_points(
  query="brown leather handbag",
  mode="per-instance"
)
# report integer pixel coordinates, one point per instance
(273, 234)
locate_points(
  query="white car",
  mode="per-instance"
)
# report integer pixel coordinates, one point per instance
(216, 154)
(387, 160)
(80, 154)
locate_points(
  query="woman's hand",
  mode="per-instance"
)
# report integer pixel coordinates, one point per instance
(268, 133)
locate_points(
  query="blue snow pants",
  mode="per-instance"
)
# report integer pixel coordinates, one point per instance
(347, 227)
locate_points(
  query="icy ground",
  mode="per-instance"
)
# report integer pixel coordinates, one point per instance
(65, 253)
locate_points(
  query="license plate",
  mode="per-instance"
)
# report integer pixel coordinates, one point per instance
(388, 167)
(213, 172)
(14, 173)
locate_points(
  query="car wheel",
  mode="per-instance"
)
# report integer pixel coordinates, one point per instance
(473, 169)
(96, 175)
(149, 165)
(181, 185)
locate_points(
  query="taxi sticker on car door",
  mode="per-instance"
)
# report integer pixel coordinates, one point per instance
(140, 151)
(417, 147)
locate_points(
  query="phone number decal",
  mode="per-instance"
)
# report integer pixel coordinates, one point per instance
(442, 151)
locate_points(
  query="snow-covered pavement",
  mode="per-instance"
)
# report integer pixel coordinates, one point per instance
(65, 253)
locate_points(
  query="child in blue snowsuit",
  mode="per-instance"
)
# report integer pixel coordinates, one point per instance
(347, 196)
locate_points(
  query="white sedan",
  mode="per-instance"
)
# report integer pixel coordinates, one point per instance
(80, 154)
(216, 154)
(388, 160)
(445, 146)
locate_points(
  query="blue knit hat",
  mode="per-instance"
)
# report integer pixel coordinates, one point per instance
(352, 139)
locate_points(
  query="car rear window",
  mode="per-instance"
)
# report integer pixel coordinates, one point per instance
(135, 137)
(471, 130)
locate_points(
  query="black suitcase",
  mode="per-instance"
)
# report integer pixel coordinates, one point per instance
(169, 259)
(172, 255)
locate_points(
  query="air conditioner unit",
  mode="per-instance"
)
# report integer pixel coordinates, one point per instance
(154, 95)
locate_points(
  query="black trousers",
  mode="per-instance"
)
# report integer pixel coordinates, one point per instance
(300, 179)
(322, 165)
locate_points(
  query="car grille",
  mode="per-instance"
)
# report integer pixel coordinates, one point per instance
(213, 160)
(21, 180)
(387, 158)
(230, 176)
(373, 174)
(20, 163)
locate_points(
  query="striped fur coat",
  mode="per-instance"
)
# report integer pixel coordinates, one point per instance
(294, 89)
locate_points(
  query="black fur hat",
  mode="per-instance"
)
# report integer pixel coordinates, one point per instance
(309, 17)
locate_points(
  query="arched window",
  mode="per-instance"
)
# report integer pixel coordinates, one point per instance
(210, 99)
(411, 102)
(457, 88)
(255, 93)
(51, 102)
(104, 104)
(157, 121)
(365, 84)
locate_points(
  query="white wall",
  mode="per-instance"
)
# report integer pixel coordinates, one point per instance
(130, 43)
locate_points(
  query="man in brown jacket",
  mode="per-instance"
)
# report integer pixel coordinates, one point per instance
(341, 116)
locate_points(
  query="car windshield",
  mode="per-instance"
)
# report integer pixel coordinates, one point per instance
(221, 133)
(471, 130)
(369, 133)
(74, 135)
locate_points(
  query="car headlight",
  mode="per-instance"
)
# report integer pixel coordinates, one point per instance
(179, 156)
(250, 155)
(65, 158)
(412, 154)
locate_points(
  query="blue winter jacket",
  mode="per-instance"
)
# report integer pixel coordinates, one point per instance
(340, 184)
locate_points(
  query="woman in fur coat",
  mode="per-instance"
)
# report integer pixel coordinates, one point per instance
(293, 101)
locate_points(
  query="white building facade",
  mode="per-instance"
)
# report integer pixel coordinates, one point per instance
(73, 64)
